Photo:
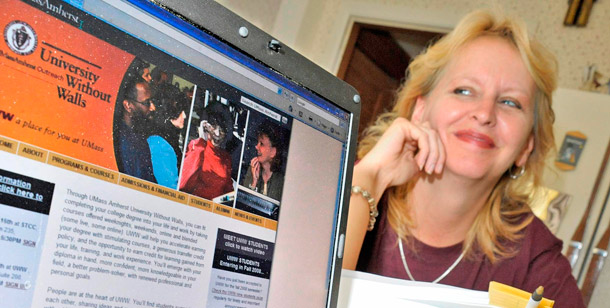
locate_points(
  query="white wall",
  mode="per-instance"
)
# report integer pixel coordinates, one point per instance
(318, 28)
(261, 13)
(588, 113)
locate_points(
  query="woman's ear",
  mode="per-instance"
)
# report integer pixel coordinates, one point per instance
(525, 153)
(418, 110)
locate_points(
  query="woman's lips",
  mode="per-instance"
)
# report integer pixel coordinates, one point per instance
(478, 139)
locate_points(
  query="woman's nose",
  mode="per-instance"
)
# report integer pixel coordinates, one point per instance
(485, 111)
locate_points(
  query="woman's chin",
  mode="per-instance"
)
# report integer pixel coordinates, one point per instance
(471, 171)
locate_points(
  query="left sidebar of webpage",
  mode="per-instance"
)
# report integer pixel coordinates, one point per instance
(104, 245)
(24, 208)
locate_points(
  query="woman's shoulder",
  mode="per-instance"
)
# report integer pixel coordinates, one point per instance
(538, 238)
(197, 143)
(547, 266)
(536, 244)
(278, 176)
(158, 143)
(157, 138)
(154, 138)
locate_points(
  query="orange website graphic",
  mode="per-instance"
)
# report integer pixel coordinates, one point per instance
(59, 91)
(58, 98)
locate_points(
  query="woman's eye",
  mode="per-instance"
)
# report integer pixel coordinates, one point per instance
(462, 91)
(511, 103)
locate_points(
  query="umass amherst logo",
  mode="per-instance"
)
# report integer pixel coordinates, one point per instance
(20, 37)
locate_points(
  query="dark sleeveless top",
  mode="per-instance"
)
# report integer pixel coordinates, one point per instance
(539, 262)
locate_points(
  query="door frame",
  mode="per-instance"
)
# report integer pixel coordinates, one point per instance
(384, 17)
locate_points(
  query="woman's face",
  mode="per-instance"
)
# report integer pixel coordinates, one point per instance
(265, 151)
(483, 109)
(178, 122)
(212, 131)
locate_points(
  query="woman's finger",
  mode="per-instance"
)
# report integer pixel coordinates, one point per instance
(433, 154)
(417, 134)
(440, 165)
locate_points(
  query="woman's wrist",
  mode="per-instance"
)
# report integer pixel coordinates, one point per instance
(373, 212)
(367, 177)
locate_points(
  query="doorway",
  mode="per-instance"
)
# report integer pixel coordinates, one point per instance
(375, 61)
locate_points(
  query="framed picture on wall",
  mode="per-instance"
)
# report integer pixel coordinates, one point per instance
(571, 148)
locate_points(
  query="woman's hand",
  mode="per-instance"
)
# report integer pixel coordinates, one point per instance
(402, 152)
(255, 166)
(203, 130)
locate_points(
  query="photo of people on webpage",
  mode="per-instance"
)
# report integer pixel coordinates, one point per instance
(149, 123)
(264, 173)
(263, 166)
(215, 142)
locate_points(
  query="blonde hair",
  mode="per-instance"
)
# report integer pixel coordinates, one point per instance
(499, 220)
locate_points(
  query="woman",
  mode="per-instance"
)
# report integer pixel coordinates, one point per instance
(166, 139)
(207, 165)
(264, 175)
(451, 164)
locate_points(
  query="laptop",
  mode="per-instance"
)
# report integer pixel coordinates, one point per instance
(167, 154)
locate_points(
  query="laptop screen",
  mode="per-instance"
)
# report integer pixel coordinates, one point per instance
(148, 162)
